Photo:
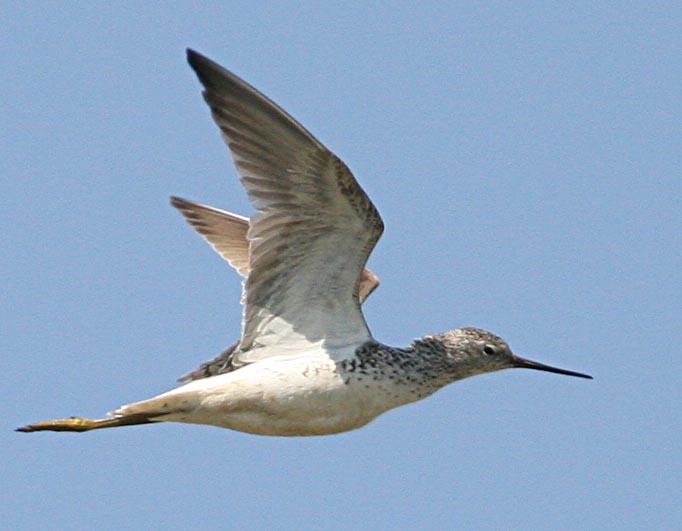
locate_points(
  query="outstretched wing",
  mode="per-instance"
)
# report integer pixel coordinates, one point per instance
(313, 232)
(226, 233)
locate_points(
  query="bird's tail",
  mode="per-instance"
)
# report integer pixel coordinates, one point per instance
(80, 424)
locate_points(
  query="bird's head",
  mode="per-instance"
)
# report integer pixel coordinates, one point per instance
(472, 351)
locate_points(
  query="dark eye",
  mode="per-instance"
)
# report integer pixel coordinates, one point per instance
(488, 350)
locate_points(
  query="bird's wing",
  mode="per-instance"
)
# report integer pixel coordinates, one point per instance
(313, 232)
(368, 283)
(226, 233)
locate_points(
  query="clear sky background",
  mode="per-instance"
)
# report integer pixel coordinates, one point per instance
(526, 159)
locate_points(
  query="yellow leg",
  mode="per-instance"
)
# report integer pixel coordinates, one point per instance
(79, 424)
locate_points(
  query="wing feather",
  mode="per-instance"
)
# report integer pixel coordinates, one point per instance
(313, 232)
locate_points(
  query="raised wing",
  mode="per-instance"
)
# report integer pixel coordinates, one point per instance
(313, 232)
(226, 233)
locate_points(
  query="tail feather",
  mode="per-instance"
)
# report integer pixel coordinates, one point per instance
(79, 424)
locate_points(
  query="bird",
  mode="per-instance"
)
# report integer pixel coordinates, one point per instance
(306, 363)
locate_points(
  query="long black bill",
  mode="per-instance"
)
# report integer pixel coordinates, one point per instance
(522, 363)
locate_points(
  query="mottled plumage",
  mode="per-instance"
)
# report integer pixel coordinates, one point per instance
(306, 362)
(227, 234)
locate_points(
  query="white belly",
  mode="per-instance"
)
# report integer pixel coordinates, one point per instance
(277, 398)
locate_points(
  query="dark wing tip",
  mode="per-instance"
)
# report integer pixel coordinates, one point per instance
(184, 206)
(205, 69)
(193, 57)
(197, 61)
(179, 202)
(188, 210)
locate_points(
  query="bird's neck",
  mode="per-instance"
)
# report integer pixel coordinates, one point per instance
(420, 367)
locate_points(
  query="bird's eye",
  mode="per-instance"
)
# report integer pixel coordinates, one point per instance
(488, 350)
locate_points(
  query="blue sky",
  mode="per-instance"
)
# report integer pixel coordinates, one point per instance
(526, 161)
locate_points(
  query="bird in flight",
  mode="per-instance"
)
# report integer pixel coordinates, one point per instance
(306, 362)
